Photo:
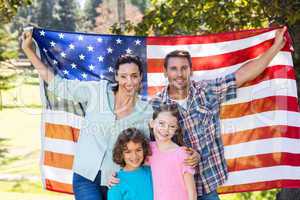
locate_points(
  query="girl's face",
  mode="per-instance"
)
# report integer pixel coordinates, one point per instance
(129, 78)
(133, 155)
(164, 126)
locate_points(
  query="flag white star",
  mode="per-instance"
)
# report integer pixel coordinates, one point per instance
(100, 58)
(66, 72)
(81, 57)
(110, 69)
(90, 48)
(63, 54)
(61, 36)
(119, 41)
(101, 76)
(55, 62)
(92, 67)
(109, 50)
(99, 39)
(71, 46)
(42, 33)
(80, 37)
(84, 75)
(52, 44)
(74, 66)
(137, 42)
(45, 50)
(128, 51)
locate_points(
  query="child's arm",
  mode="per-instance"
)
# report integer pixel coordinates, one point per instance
(190, 186)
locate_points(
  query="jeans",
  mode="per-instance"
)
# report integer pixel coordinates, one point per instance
(85, 189)
(210, 196)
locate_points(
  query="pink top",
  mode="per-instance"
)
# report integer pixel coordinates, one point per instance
(167, 173)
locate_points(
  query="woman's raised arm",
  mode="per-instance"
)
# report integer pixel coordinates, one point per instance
(46, 74)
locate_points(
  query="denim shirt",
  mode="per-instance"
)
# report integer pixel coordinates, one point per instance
(100, 128)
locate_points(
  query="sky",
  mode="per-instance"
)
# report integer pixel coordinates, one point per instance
(81, 2)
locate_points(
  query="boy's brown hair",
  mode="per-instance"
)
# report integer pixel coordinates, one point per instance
(127, 135)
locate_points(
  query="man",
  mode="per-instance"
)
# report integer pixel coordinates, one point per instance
(199, 106)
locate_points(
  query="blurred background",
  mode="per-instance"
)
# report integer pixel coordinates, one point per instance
(20, 104)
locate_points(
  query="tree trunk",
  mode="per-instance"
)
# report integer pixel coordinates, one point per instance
(121, 14)
(295, 30)
(288, 194)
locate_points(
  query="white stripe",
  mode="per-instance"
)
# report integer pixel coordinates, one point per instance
(273, 87)
(158, 79)
(203, 50)
(59, 146)
(58, 174)
(265, 146)
(269, 88)
(263, 119)
(263, 174)
(63, 118)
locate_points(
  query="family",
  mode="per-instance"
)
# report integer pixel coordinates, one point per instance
(168, 148)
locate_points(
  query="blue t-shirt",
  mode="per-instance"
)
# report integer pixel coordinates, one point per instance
(134, 185)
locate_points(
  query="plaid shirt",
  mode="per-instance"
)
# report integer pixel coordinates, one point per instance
(201, 127)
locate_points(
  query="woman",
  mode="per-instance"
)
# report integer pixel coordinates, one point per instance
(108, 112)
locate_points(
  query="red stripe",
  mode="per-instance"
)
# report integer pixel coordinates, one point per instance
(58, 186)
(272, 103)
(205, 39)
(278, 71)
(63, 132)
(263, 160)
(155, 65)
(58, 160)
(266, 185)
(261, 133)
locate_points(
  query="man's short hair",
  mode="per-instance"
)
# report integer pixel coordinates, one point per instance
(178, 53)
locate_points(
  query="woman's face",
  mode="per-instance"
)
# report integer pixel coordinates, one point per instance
(133, 155)
(129, 78)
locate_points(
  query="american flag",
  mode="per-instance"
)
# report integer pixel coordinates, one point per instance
(260, 129)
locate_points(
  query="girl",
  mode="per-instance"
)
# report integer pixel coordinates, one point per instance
(129, 152)
(172, 179)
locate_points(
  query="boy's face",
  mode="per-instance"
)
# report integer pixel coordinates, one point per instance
(133, 155)
(178, 73)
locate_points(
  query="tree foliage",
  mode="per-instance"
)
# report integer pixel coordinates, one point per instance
(90, 12)
(141, 4)
(193, 16)
(65, 14)
(9, 8)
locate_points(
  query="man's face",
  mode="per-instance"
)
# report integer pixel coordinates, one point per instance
(178, 72)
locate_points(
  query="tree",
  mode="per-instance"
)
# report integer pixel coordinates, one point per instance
(90, 12)
(141, 4)
(44, 13)
(65, 14)
(108, 16)
(9, 8)
(121, 14)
